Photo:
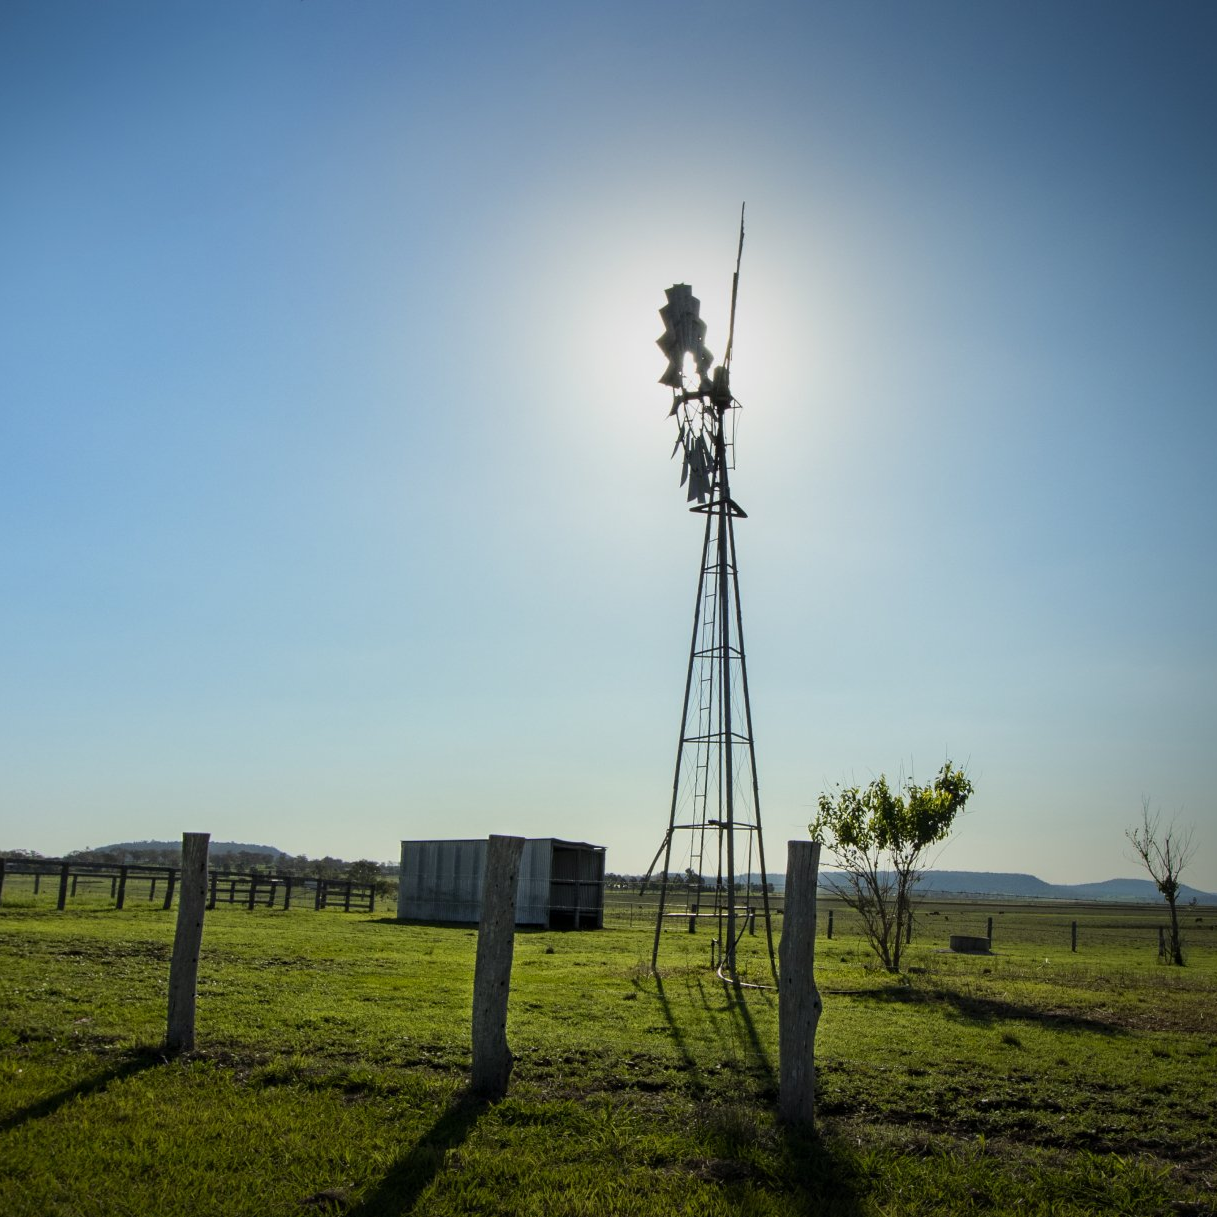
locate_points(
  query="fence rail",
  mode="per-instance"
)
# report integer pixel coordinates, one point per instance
(121, 882)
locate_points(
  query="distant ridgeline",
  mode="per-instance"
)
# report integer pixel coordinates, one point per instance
(1021, 887)
(999, 883)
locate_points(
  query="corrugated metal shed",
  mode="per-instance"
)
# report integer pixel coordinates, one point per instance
(561, 882)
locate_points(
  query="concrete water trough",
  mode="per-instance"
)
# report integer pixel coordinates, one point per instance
(969, 944)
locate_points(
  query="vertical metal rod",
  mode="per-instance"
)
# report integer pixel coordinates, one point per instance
(756, 793)
(724, 609)
(680, 747)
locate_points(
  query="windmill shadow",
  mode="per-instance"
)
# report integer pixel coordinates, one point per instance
(400, 1189)
(679, 1038)
(737, 997)
(816, 1177)
(985, 1011)
(137, 1062)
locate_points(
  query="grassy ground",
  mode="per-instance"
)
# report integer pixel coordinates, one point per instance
(333, 1052)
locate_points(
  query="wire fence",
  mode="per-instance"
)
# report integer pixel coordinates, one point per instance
(1055, 927)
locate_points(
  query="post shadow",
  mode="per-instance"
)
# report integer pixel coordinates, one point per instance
(406, 1180)
(137, 1062)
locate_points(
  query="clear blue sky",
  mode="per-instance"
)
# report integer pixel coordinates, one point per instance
(334, 476)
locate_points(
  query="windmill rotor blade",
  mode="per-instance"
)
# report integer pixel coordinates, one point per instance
(684, 334)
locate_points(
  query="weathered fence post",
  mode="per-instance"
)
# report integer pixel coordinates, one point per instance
(989, 933)
(798, 999)
(830, 923)
(1073, 936)
(169, 885)
(1, 878)
(122, 887)
(184, 965)
(492, 971)
(63, 886)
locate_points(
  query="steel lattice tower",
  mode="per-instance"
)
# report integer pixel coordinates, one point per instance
(715, 799)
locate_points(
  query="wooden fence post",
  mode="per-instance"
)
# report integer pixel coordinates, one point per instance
(830, 923)
(184, 966)
(492, 971)
(1, 878)
(63, 887)
(122, 887)
(798, 999)
(169, 883)
(1073, 936)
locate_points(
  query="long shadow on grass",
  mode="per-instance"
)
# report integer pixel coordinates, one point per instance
(822, 1174)
(399, 1191)
(136, 1062)
(988, 1010)
(736, 996)
(678, 1036)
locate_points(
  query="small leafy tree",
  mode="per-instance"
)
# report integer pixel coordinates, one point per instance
(879, 838)
(1164, 852)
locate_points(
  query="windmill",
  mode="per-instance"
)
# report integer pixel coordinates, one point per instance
(715, 806)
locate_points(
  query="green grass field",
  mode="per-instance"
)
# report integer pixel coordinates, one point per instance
(333, 1053)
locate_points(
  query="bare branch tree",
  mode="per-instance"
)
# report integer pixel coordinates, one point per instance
(1164, 853)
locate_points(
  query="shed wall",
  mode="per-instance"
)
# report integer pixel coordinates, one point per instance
(442, 881)
(561, 882)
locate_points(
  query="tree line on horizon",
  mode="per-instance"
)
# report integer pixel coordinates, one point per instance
(262, 861)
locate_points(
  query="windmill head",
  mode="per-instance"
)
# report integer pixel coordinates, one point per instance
(700, 398)
(684, 335)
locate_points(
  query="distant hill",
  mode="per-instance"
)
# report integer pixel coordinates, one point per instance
(1028, 887)
(999, 883)
(216, 847)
